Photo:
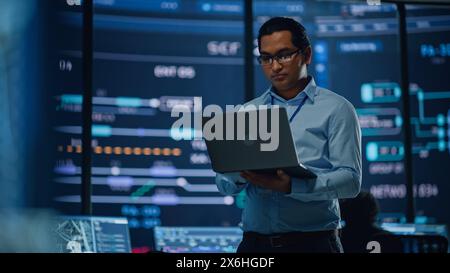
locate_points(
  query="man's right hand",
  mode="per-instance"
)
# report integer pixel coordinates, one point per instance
(280, 182)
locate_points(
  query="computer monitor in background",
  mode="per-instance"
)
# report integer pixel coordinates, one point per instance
(84, 234)
(415, 229)
(400, 218)
(420, 238)
(197, 239)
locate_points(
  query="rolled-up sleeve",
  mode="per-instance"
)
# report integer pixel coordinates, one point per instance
(230, 183)
(343, 180)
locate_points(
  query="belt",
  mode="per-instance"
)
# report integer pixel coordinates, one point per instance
(289, 238)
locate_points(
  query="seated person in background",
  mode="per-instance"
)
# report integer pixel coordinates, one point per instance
(360, 214)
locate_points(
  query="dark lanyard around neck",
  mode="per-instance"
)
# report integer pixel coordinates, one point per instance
(296, 110)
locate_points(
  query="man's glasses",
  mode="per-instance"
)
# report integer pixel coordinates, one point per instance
(282, 58)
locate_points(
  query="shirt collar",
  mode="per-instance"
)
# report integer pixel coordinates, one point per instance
(310, 91)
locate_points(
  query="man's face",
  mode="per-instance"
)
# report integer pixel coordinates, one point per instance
(283, 76)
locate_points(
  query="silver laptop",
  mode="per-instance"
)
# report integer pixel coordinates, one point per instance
(238, 155)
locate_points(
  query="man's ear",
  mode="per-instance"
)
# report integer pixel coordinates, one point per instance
(308, 55)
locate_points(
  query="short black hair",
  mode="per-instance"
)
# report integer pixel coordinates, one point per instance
(300, 38)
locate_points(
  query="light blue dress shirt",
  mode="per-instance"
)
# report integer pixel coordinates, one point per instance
(327, 137)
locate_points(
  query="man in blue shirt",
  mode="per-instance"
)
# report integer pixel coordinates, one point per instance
(286, 214)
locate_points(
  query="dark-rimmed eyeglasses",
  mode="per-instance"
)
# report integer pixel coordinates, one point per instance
(281, 58)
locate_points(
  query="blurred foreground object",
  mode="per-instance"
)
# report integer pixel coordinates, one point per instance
(27, 231)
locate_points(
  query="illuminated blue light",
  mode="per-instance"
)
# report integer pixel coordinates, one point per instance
(441, 146)
(101, 131)
(128, 102)
(398, 121)
(366, 93)
(372, 151)
(72, 99)
(440, 120)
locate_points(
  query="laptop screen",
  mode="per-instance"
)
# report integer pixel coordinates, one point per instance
(88, 234)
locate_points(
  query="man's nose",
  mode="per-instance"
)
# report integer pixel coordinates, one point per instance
(276, 66)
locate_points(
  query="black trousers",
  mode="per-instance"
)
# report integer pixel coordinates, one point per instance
(292, 242)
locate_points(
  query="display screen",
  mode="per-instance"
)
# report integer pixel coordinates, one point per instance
(150, 56)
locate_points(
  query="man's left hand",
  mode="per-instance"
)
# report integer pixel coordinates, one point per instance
(280, 182)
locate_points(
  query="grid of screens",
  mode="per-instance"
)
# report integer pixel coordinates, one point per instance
(355, 54)
(150, 56)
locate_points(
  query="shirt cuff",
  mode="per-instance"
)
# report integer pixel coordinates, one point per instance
(235, 178)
